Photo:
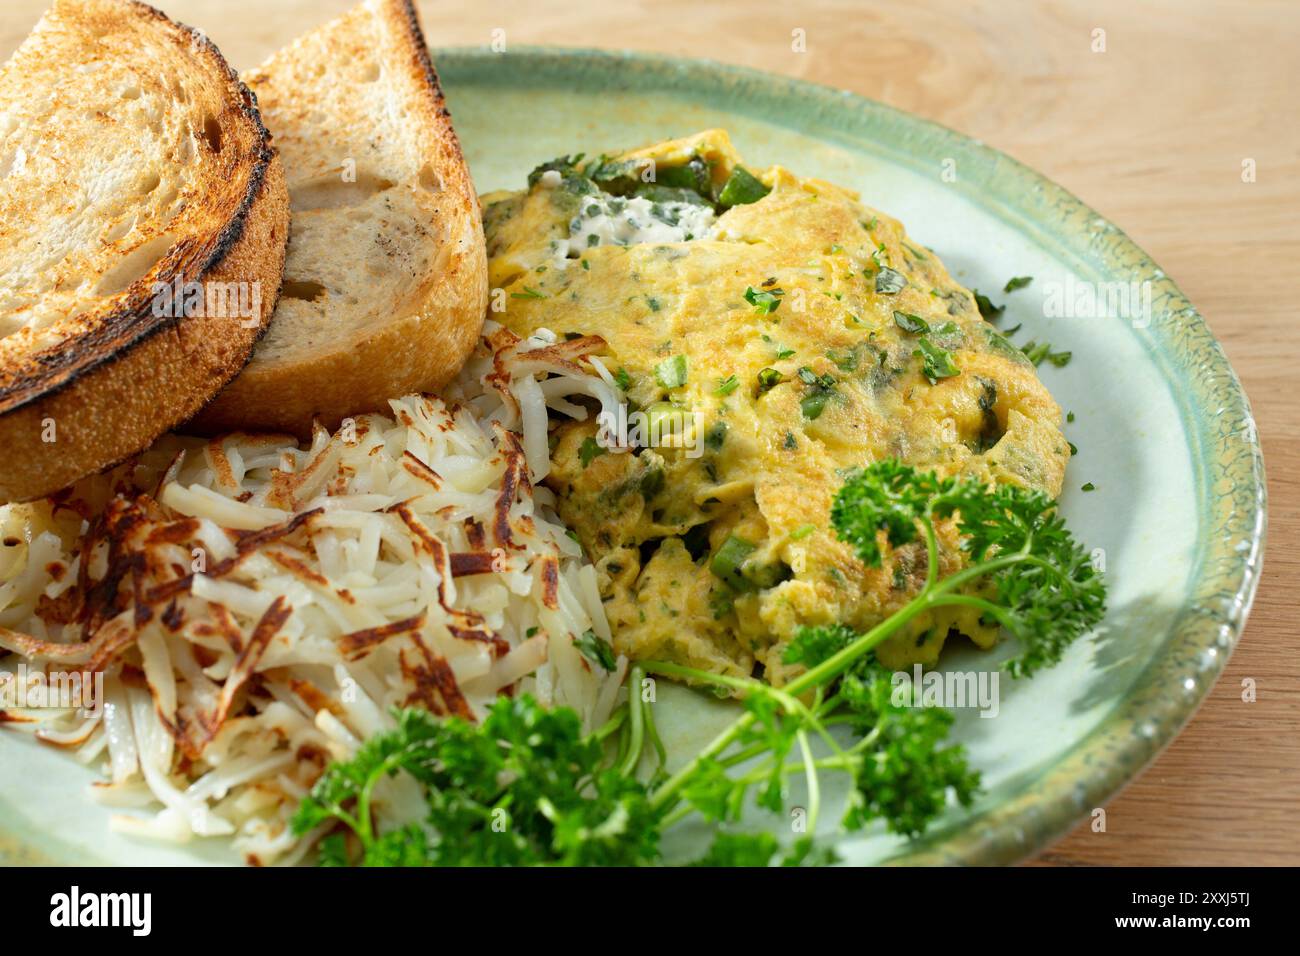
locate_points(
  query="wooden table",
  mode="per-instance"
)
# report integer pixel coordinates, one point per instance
(1152, 133)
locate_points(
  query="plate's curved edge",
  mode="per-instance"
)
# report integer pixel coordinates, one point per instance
(1214, 406)
(1215, 409)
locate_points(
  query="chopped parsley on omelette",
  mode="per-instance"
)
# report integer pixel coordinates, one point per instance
(812, 336)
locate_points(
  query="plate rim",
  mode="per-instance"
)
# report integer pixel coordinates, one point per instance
(1228, 479)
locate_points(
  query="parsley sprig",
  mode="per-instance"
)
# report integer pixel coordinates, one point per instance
(1046, 590)
(525, 787)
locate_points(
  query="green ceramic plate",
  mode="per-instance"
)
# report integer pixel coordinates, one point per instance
(1163, 429)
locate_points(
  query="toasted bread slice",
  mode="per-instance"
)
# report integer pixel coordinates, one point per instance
(131, 160)
(385, 286)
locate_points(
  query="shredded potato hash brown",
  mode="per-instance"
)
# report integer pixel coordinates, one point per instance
(257, 608)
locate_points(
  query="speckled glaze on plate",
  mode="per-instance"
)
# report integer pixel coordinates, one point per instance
(1163, 428)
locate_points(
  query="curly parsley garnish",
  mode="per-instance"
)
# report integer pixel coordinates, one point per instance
(525, 787)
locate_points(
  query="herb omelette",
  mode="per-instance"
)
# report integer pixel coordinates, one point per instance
(806, 335)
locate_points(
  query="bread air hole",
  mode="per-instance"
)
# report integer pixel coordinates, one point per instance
(212, 133)
(120, 229)
(335, 192)
(134, 265)
(300, 289)
(429, 179)
(169, 204)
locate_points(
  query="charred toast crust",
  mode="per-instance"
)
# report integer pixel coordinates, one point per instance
(128, 375)
(136, 395)
(424, 64)
(112, 336)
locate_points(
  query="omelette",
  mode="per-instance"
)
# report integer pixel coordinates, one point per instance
(793, 334)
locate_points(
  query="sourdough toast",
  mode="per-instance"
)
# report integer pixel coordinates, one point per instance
(136, 170)
(386, 278)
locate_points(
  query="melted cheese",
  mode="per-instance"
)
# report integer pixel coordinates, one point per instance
(614, 221)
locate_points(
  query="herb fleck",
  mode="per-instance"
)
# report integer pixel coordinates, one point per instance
(590, 450)
(727, 385)
(596, 650)
(936, 363)
(671, 372)
(911, 323)
(765, 301)
(768, 378)
(989, 311)
(890, 281)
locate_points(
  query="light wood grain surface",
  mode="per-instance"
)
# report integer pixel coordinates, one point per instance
(1152, 133)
